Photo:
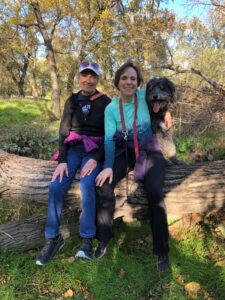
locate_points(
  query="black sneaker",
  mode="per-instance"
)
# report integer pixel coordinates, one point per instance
(101, 250)
(163, 263)
(51, 247)
(86, 249)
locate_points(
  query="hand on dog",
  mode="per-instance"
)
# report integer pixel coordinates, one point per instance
(103, 175)
(168, 120)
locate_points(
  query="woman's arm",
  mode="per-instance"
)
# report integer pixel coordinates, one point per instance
(64, 130)
(168, 120)
(109, 142)
(110, 130)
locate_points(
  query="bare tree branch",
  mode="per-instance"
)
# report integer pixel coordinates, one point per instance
(57, 21)
(27, 25)
(178, 70)
(8, 37)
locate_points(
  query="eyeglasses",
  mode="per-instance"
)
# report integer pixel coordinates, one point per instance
(87, 64)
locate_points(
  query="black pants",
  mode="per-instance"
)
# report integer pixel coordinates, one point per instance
(153, 185)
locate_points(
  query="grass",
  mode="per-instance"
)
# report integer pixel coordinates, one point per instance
(208, 146)
(25, 112)
(28, 128)
(128, 271)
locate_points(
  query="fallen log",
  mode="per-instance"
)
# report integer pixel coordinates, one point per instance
(196, 188)
(27, 234)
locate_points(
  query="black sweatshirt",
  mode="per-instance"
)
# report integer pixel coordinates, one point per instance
(82, 116)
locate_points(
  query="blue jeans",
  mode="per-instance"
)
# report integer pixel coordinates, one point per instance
(76, 158)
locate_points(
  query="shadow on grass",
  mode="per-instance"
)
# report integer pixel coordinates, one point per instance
(128, 271)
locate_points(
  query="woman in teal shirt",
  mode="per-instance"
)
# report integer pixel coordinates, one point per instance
(127, 118)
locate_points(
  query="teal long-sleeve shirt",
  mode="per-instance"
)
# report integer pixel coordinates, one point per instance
(113, 124)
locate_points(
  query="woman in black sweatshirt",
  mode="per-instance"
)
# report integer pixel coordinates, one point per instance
(80, 146)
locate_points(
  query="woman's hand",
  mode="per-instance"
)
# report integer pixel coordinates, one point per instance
(103, 175)
(88, 167)
(168, 120)
(59, 171)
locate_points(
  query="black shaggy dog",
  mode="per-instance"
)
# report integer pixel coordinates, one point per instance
(160, 95)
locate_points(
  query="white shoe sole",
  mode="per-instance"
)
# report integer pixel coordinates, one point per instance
(81, 254)
(39, 263)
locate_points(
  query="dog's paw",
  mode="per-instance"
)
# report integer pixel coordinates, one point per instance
(175, 161)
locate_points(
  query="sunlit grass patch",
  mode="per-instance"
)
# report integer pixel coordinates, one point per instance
(127, 271)
(206, 147)
(23, 111)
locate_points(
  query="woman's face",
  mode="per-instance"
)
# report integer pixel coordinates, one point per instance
(88, 82)
(128, 83)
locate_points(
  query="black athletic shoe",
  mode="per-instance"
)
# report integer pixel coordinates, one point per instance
(86, 249)
(101, 249)
(163, 263)
(51, 247)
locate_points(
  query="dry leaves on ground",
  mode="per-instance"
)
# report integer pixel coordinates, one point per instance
(192, 289)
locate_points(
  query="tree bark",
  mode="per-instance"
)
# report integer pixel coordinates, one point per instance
(28, 233)
(196, 188)
(23, 74)
(51, 58)
(19, 79)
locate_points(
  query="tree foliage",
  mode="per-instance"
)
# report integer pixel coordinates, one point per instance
(43, 42)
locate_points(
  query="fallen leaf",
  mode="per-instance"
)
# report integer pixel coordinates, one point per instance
(180, 279)
(71, 259)
(2, 281)
(192, 289)
(207, 296)
(68, 294)
(220, 263)
(120, 241)
(89, 297)
(140, 241)
(221, 228)
(148, 238)
(187, 222)
(201, 236)
(122, 273)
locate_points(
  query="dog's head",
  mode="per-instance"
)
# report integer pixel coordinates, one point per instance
(160, 91)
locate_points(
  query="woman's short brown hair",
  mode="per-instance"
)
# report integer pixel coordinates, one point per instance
(122, 69)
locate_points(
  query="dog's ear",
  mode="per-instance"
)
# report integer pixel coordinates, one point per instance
(171, 87)
(149, 87)
(151, 83)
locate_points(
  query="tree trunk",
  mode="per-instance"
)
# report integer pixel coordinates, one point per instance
(23, 74)
(29, 233)
(55, 84)
(21, 89)
(51, 58)
(73, 69)
(32, 80)
(70, 80)
(196, 188)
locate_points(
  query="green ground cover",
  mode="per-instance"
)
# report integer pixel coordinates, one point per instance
(24, 111)
(128, 271)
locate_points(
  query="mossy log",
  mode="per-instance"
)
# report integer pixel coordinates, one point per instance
(195, 188)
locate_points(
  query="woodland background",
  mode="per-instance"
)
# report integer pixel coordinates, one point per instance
(43, 42)
(41, 46)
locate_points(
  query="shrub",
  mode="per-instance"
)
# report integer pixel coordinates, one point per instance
(29, 141)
